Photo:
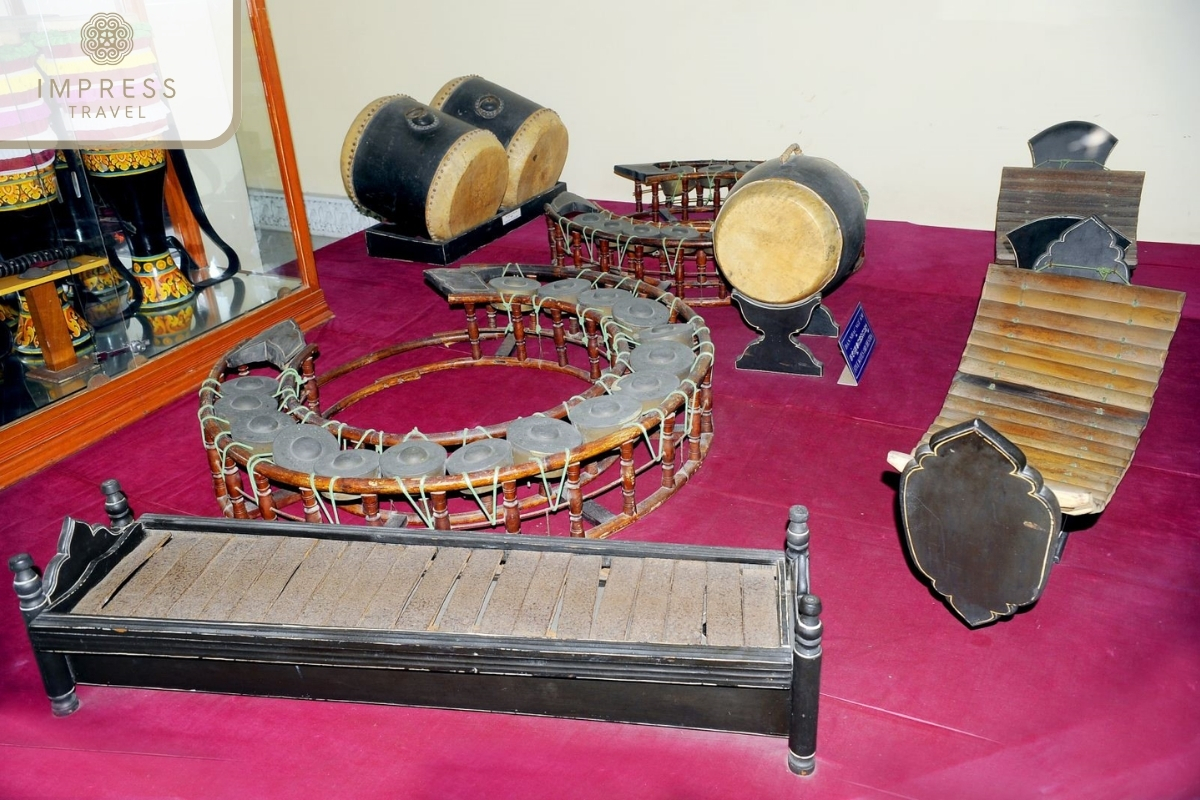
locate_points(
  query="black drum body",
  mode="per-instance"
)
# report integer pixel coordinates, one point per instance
(534, 138)
(791, 227)
(430, 174)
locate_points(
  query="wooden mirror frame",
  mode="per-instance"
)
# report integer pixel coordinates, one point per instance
(36, 441)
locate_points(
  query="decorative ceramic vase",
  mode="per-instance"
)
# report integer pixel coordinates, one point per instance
(27, 337)
(132, 182)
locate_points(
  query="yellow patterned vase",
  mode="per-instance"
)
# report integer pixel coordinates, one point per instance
(132, 182)
(27, 337)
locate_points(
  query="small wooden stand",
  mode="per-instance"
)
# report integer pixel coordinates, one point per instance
(776, 350)
(41, 294)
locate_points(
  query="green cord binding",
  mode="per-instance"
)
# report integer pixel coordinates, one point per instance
(688, 409)
(553, 503)
(479, 428)
(492, 517)
(512, 264)
(412, 433)
(251, 463)
(312, 484)
(537, 303)
(337, 520)
(662, 417)
(425, 514)
(365, 435)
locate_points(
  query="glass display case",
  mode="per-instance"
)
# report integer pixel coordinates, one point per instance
(130, 271)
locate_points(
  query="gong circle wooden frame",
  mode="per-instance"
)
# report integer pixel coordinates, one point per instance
(680, 428)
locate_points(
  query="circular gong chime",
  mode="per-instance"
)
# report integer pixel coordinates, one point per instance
(427, 172)
(631, 437)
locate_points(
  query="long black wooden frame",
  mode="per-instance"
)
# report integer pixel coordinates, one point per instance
(770, 691)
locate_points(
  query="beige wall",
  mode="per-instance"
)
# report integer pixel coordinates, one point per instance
(923, 101)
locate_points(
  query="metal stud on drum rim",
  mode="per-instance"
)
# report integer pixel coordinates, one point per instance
(650, 386)
(676, 358)
(419, 458)
(483, 454)
(258, 431)
(597, 417)
(640, 312)
(300, 447)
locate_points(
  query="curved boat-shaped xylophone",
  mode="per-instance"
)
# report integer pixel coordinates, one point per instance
(556, 320)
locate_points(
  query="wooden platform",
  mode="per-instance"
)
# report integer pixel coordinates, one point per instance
(715, 638)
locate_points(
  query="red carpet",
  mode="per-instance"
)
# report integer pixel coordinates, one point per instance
(1094, 692)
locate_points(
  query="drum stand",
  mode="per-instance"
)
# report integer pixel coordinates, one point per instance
(776, 350)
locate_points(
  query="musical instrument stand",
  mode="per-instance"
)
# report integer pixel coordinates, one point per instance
(776, 350)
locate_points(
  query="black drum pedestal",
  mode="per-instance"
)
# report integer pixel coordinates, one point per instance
(386, 240)
(776, 350)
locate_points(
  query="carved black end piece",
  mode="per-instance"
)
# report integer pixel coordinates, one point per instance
(55, 671)
(806, 686)
(116, 504)
(777, 350)
(979, 522)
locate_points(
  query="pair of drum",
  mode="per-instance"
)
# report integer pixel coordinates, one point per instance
(441, 169)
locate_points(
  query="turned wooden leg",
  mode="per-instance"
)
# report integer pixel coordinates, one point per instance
(628, 480)
(666, 440)
(806, 650)
(312, 511)
(233, 485)
(441, 511)
(574, 499)
(54, 668)
(512, 514)
(473, 331)
(116, 504)
(309, 390)
(370, 504)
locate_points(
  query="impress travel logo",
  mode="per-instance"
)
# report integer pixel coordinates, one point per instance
(106, 38)
(95, 78)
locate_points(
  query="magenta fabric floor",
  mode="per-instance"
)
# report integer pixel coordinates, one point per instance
(1094, 692)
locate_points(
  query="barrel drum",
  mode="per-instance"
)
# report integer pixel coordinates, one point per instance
(534, 137)
(430, 174)
(791, 227)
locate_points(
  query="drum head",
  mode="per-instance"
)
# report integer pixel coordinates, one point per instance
(777, 241)
(537, 154)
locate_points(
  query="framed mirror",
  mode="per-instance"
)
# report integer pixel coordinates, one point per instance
(235, 221)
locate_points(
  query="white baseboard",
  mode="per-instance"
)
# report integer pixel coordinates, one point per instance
(333, 217)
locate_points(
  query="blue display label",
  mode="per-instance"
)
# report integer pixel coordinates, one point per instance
(857, 342)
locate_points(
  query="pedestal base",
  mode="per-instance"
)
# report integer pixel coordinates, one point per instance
(776, 350)
(387, 240)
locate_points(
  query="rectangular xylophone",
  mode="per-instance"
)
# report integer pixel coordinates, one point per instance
(702, 637)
